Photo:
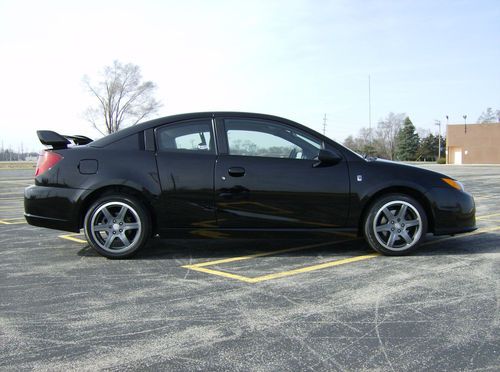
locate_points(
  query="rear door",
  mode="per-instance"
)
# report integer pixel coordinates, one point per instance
(266, 178)
(186, 155)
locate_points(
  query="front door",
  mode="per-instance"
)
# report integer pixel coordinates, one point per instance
(268, 179)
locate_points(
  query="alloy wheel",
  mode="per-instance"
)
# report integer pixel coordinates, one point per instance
(115, 227)
(397, 225)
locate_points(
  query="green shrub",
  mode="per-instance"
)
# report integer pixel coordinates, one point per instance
(441, 161)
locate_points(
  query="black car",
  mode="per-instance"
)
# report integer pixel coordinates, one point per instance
(234, 172)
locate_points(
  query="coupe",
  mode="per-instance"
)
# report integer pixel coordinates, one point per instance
(224, 172)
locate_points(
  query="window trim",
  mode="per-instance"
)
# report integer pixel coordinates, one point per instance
(206, 120)
(222, 123)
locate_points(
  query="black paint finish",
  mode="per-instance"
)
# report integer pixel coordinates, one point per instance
(213, 190)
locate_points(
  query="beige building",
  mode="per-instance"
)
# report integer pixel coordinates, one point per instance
(478, 144)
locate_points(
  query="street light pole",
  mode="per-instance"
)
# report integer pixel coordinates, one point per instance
(465, 123)
(438, 123)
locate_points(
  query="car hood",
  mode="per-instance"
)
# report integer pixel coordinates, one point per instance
(406, 168)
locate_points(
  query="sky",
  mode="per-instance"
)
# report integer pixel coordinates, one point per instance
(295, 59)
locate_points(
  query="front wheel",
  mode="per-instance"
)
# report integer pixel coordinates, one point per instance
(395, 224)
(117, 226)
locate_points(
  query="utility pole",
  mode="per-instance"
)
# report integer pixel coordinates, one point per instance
(324, 125)
(445, 144)
(438, 123)
(369, 107)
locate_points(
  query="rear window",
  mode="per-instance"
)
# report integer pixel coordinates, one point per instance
(133, 142)
(195, 136)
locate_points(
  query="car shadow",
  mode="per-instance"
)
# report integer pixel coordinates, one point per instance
(482, 243)
(211, 249)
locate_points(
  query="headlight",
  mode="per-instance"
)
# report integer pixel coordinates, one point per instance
(454, 183)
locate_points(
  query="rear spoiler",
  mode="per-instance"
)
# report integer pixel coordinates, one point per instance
(57, 141)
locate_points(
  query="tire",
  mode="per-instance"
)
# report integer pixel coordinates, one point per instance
(117, 226)
(395, 225)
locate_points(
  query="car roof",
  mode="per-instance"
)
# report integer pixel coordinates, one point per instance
(104, 141)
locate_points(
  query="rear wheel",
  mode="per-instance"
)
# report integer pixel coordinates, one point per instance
(395, 224)
(117, 226)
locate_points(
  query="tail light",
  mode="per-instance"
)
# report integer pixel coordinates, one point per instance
(46, 160)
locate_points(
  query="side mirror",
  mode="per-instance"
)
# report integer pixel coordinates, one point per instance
(327, 157)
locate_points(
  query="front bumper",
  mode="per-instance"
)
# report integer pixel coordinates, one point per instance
(53, 207)
(454, 211)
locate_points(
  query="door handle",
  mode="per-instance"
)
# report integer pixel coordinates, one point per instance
(236, 171)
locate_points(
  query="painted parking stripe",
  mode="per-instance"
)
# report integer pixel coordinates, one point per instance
(73, 238)
(18, 169)
(477, 232)
(21, 182)
(16, 179)
(307, 269)
(283, 274)
(487, 216)
(12, 221)
(202, 267)
(263, 254)
(221, 273)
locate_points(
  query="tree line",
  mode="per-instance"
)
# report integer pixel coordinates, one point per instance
(20, 155)
(396, 138)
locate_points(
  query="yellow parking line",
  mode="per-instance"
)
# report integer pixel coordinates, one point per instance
(17, 181)
(263, 254)
(281, 274)
(478, 197)
(16, 169)
(202, 267)
(487, 216)
(72, 238)
(12, 221)
(479, 231)
(307, 269)
(222, 273)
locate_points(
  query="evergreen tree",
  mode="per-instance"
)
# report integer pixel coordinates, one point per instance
(407, 142)
(428, 148)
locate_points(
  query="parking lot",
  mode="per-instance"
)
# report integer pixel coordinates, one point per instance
(258, 304)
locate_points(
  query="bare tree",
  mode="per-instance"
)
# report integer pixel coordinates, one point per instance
(489, 116)
(123, 98)
(380, 142)
(387, 132)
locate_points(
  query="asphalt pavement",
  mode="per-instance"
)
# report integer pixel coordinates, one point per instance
(250, 304)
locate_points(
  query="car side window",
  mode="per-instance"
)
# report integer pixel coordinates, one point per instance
(193, 136)
(269, 139)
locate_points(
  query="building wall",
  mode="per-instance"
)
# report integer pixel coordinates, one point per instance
(479, 145)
